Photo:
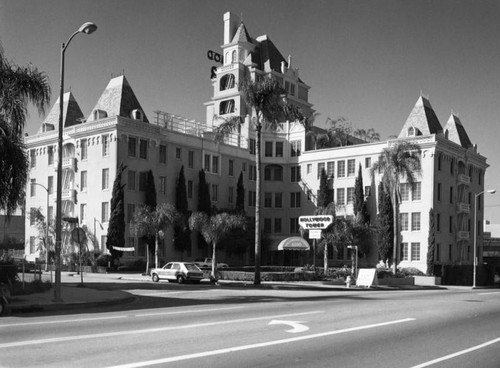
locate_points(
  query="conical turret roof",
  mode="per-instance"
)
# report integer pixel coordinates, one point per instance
(72, 114)
(455, 132)
(422, 119)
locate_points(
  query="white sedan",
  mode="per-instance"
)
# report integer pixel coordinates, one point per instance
(177, 271)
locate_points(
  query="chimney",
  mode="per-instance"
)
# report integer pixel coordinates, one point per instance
(231, 24)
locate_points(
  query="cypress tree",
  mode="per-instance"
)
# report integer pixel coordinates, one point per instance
(322, 198)
(385, 224)
(182, 234)
(204, 204)
(150, 201)
(116, 228)
(240, 195)
(359, 206)
(431, 243)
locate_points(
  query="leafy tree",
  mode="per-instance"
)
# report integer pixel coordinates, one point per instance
(19, 86)
(369, 135)
(359, 206)
(264, 98)
(240, 195)
(214, 228)
(385, 223)
(151, 222)
(339, 131)
(431, 243)
(322, 200)
(116, 228)
(182, 235)
(326, 237)
(46, 235)
(151, 201)
(401, 160)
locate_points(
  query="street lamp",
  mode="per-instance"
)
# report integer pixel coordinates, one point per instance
(86, 28)
(476, 196)
(46, 226)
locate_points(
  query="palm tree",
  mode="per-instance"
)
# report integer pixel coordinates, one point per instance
(397, 162)
(265, 98)
(19, 86)
(326, 238)
(151, 222)
(214, 229)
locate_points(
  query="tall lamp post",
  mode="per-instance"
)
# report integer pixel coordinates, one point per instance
(476, 196)
(86, 28)
(46, 226)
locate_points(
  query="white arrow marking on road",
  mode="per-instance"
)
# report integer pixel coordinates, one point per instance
(297, 325)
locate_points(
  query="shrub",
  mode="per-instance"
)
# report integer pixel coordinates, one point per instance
(35, 286)
(409, 271)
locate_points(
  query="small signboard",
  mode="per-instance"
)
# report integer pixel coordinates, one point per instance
(367, 277)
(78, 235)
(314, 234)
(315, 222)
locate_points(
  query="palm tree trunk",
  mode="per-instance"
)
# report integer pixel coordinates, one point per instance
(325, 259)
(257, 204)
(214, 261)
(395, 250)
(156, 250)
(147, 258)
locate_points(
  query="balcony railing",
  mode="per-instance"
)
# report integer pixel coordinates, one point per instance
(463, 207)
(464, 179)
(67, 163)
(463, 235)
(68, 195)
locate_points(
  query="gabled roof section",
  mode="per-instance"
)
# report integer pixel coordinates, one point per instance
(270, 56)
(118, 99)
(455, 132)
(241, 35)
(422, 119)
(72, 114)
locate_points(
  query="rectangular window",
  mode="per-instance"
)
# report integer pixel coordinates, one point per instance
(368, 162)
(295, 200)
(105, 145)
(190, 159)
(450, 224)
(341, 196)
(32, 215)
(294, 225)
(309, 168)
(415, 251)
(268, 200)
(438, 252)
(83, 181)
(50, 153)
(321, 167)
(104, 212)
(404, 221)
(206, 163)
(178, 153)
(32, 158)
(295, 148)
(131, 180)
(32, 244)
(341, 169)
(143, 149)
(252, 146)
(50, 214)
(105, 178)
(279, 149)
(33, 188)
(163, 184)
(190, 189)
(83, 149)
(451, 194)
(416, 193)
(268, 225)
(215, 193)
(50, 185)
(405, 191)
(439, 192)
(215, 164)
(277, 225)
(415, 221)
(142, 181)
(252, 172)
(132, 146)
(438, 222)
(230, 195)
(350, 195)
(292, 89)
(278, 200)
(251, 198)
(330, 169)
(295, 174)
(351, 167)
(268, 149)
(130, 212)
(404, 251)
(231, 168)
(439, 162)
(83, 212)
(163, 154)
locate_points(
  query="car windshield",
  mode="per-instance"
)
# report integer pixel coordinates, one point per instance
(191, 267)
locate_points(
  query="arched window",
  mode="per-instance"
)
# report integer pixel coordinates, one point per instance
(227, 82)
(411, 132)
(226, 107)
(233, 57)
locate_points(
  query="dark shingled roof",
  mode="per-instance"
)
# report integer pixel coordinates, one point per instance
(423, 118)
(118, 99)
(72, 114)
(455, 132)
(241, 35)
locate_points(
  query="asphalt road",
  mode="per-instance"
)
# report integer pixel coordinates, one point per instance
(205, 325)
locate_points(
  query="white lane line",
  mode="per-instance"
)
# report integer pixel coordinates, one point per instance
(492, 292)
(438, 360)
(145, 331)
(122, 316)
(168, 292)
(258, 345)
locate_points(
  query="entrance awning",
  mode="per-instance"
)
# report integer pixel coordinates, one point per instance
(293, 243)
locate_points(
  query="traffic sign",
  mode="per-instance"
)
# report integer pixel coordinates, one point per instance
(78, 235)
(315, 234)
(315, 222)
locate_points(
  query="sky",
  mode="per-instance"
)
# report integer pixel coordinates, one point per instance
(365, 60)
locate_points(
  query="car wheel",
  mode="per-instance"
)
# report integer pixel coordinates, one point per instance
(155, 277)
(180, 279)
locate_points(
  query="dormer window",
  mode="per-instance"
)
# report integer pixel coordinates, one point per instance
(137, 114)
(411, 132)
(233, 57)
(100, 114)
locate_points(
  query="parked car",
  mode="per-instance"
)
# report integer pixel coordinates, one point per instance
(177, 271)
(207, 263)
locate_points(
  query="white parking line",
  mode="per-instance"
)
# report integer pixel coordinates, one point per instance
(491, 292)
(438, 360)
(254, 346)
(128, 315)
(145, 331)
